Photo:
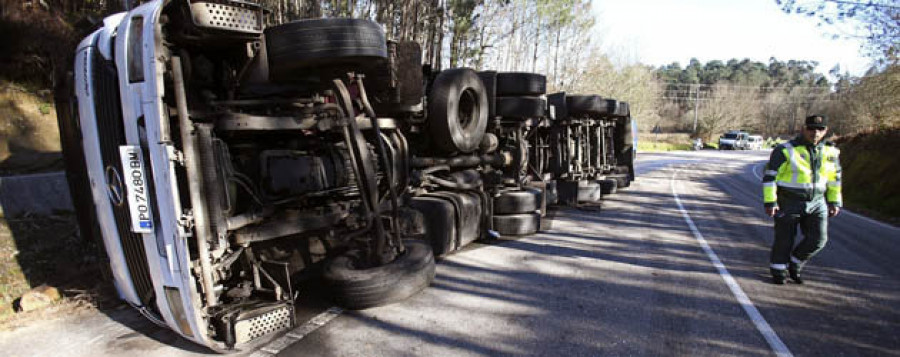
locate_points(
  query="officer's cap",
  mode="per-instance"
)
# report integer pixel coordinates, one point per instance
(816, 120)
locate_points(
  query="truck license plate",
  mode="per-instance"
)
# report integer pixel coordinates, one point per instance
(136, 188)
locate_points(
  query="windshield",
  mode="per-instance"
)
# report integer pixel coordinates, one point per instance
(730, 136)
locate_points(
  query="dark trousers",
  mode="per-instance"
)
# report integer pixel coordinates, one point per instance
(812, 217)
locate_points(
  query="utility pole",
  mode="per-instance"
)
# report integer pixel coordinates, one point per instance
(696, 106)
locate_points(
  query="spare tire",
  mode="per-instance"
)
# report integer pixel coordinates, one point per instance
(520, 107)
(335, 41)
(521, 83)
(408, 274)
(457, 111)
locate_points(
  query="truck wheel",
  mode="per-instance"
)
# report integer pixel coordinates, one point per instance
(608, 186)
(589, 191)
(558, 101)
(489, 79)
(517, 224)
(457, 110)
(585, 105)
(596, 105)
(73, 156)
(520, 107)
(356, 288)
(521, 83)
(618, 109)
(334, 41)
(526, 200)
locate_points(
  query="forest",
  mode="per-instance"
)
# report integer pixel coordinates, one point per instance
(558, 38)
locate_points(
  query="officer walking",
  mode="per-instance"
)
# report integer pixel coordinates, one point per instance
(801, 186)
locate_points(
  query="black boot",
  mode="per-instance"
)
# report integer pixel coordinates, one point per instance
(778, 276)
(794, 271)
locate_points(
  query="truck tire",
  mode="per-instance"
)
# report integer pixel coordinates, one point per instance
(596, 105)
(585, 105)
(489, 79)
(521, 84)
(73, 157)
(457, 110)
(356, 289)
(520, 107)
(517, 224)
(589, 191)
(526, 200)
(608, 186)
(558, 101)
(624, 141)
(617, 108)
(333, 41)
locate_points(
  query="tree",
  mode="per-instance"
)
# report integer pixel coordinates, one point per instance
(633, 84)
(876, 21)
(876, 98)
(725, 107)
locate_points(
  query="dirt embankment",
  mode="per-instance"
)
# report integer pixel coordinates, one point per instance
(870, 181)
(29, 135)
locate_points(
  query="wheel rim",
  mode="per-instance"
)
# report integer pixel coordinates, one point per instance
(467, 110)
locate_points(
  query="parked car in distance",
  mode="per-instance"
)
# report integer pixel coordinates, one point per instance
(734, 140)
(755, 142)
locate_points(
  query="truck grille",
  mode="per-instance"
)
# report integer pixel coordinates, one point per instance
(111, 134)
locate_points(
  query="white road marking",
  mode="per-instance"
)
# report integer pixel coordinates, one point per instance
(768, 333)
(279, 344)
(843, 210)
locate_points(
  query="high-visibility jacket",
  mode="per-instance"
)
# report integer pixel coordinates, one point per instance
(799, 170)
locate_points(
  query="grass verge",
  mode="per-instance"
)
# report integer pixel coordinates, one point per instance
(644, 146)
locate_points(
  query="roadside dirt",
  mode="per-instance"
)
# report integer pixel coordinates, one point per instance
(48, 250)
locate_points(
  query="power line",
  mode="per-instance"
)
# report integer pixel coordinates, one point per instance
(693, 85)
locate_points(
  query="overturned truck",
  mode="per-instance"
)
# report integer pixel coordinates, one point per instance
(221, 163)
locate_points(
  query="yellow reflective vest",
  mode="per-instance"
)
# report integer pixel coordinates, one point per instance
(800, 171)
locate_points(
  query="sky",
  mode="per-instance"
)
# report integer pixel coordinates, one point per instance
(659, 32)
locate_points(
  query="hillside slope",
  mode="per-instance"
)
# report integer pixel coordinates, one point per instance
(870, 162)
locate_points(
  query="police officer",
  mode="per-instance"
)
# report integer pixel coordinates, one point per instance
(801, 186)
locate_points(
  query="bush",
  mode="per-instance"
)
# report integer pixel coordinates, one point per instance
(869, 164)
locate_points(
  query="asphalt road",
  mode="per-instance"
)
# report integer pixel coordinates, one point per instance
(631, 277)
(675, 265)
